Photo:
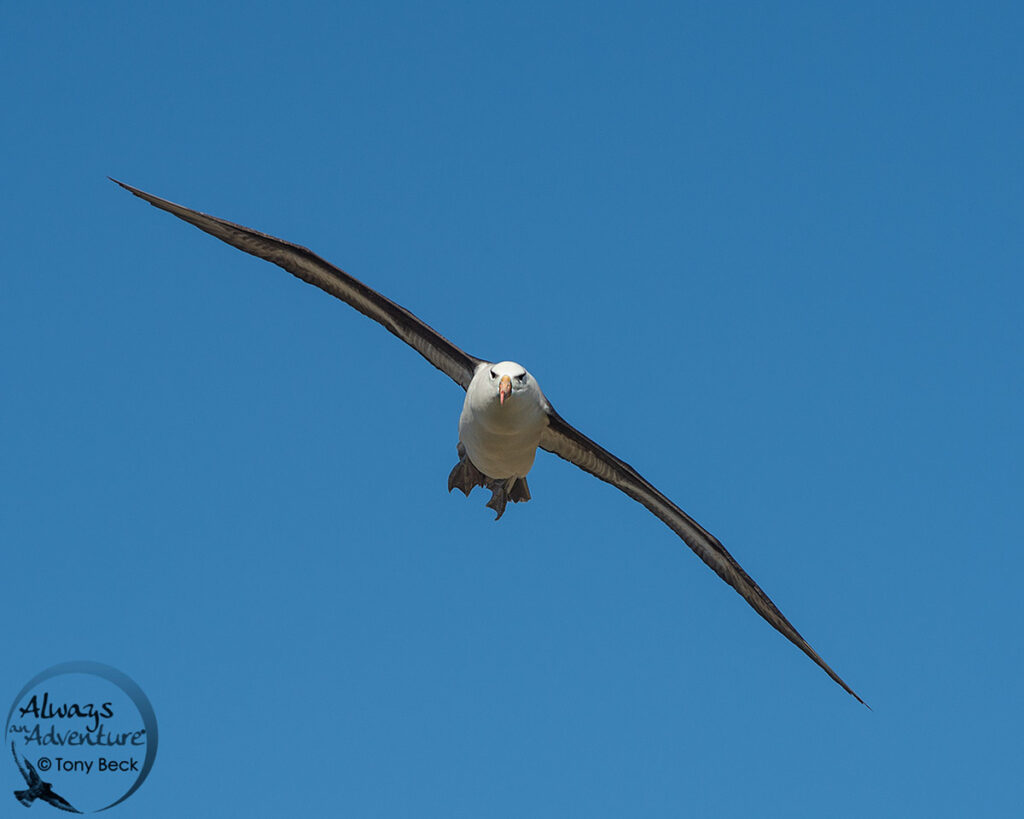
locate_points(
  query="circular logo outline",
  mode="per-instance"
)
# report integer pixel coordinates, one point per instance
(122, 681)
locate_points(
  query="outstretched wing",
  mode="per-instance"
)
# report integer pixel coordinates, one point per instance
(30, 779)
(59, 801)
(309, 267)
(567, 442)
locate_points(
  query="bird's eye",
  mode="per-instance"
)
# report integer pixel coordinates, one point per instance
(521, 378)
(493, 374)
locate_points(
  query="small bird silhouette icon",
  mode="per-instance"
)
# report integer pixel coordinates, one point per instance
(37, 789)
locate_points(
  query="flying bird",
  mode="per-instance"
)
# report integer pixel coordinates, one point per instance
(37, 789)
(505, 417)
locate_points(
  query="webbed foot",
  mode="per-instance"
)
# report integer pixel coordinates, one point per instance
(520, 492)
(503, 491)
(464, 476)
(499, 497)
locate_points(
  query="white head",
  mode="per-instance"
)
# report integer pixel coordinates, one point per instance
(509, 379)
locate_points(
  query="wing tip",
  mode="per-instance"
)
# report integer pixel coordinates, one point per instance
(856, 696)
(138, 192)
(842, 684)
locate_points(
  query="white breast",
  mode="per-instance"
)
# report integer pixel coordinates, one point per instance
(501, 439)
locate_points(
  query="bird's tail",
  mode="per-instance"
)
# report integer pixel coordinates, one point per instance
(25, 797)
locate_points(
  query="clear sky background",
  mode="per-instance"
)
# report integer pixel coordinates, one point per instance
(771, 255)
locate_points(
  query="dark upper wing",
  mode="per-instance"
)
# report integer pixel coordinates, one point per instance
(59, 801)
(567, 442)
(309, 267)
(32, 780)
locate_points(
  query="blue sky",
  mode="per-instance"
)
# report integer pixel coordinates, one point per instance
(769, 256)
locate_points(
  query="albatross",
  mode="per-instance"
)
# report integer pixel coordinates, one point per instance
(505, 416)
